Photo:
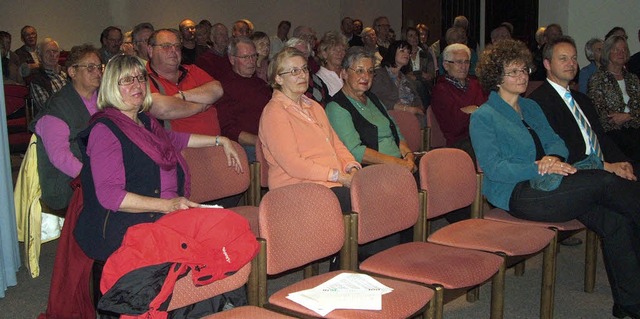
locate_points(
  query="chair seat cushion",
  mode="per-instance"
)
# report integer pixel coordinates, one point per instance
(404, 301)
(430, 264)
(503, 216)
(494, 236)
(247, 312)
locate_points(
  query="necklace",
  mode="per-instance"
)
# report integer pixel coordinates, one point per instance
(614, 73)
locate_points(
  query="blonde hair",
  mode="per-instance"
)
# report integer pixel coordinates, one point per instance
(118, 67)
(275, 66)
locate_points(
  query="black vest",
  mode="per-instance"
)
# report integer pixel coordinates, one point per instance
(368, 132)
(100, 231)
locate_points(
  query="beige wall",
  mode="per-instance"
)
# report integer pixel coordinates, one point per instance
(79, 21)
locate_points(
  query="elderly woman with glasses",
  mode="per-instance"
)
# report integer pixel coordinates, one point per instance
(361, 120)
(615, 92)
(526, 174)
(298, 142)
(133, 171)
(392, 86)
(58, 124)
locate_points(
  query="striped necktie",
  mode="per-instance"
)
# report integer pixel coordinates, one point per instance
(584, 125)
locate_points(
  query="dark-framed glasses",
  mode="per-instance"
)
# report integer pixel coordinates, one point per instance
(90, 67)
(459, 62)
(362, 71)
(296, 71)
(169, 46)
(248, 56)
(517, 72)
(128, 80)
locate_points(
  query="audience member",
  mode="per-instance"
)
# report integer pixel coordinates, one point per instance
(277, 41)
(111, 39)
(331, 50)
(459, 35)
(616, 94)
(262, 44)
(317, 89)
(203, 35)
(619, 31)
(10, 61)
(370, 41)
(346, 26)
(127, 44)
(423, 69)
(593, 53)
(296, 151)
(28, 52)
(455, 96)
(392, 87)
(382, 25)
(140, 35)
(578, 125)
(49, 78)
(133, 171)
(361, 120)
(307, 34)
(190, 49)
(245, 96)
(182, 94)
(57, 126)
(633, 65)
(357, 27)
(241, 28)
(525, 172)
(500, 33)
(215, 60)
(423, 32)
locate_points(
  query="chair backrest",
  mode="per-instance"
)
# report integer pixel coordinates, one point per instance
(532, 86)
(448, 177)
(211, 177)
(15, 97)
(436, 138)
(301, 223)
(409, 127)
(385, 197)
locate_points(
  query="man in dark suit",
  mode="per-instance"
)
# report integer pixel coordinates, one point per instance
(561, 65)
(620, 243)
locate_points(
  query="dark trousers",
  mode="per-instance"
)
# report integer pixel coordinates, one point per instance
(604, 203)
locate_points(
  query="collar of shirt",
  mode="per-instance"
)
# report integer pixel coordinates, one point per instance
(456, 83)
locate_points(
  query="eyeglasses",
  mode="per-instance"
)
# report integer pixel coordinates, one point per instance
(128, 80)
(517, 72)
(459, 62)
(90, 67)
(169, 46)
(247, 57)
(296, 71)
(362, 71)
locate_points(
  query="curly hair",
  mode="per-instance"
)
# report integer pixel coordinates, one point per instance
(491, 64)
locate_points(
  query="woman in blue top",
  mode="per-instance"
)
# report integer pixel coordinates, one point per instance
(525, 172)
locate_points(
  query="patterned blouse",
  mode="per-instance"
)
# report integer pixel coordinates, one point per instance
(606, 95)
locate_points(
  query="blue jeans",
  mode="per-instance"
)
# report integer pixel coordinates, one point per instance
(604, 203)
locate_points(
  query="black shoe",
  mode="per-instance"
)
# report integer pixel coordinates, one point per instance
(571, 241)
(631, 311)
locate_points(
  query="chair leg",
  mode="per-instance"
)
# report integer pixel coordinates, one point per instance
(497, 292)
(262, 274)
(590, 261)
(473, 294)
(519, 268)
(252, 284)
(547, 293)
(437, 303)
(311, 270)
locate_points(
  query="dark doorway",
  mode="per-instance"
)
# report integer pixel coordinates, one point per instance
(522, 14)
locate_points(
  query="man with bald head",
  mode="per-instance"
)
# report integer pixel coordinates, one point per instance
(190, 49)
(381, 25)
(49, 78)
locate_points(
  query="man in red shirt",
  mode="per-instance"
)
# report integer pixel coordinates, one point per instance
(182, 94)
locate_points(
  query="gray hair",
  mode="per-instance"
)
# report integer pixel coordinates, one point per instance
(588, 48)
(294, 42)
(43, 43)
(608, 46)
(139, 27)
(232, 48)
(354, 54)
(448, 51)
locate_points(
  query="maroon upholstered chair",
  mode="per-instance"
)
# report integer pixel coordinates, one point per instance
(448, 182)
(212, 178)
(247, 312)
(409, 127)
(434, 134)
(303, 223)
(385, 200)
